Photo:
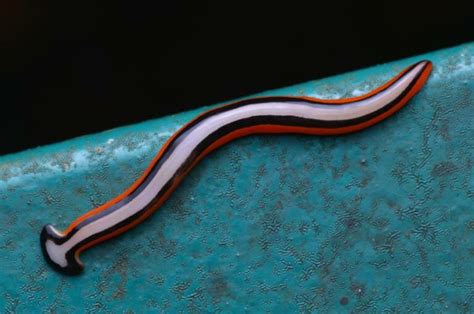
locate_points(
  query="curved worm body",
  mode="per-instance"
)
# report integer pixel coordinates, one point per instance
(211, 130)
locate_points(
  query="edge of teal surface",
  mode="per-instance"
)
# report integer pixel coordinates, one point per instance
(378, 221)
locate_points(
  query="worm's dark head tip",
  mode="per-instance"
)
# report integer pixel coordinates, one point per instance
(57, 253)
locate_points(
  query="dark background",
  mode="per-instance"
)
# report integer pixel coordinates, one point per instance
(69, 68)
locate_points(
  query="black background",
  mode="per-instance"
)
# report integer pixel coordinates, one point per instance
(69, 68)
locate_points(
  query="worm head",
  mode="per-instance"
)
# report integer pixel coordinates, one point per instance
(56, 252)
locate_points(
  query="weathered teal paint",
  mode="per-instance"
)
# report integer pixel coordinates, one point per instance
(382, 220)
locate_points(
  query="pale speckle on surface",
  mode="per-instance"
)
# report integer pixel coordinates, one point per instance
(332, 95)
(359, 92)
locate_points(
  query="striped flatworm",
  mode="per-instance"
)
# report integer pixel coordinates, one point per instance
(212, 129)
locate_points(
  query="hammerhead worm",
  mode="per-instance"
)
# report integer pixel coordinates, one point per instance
(207, 132)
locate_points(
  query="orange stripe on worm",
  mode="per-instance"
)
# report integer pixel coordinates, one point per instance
(209, 131)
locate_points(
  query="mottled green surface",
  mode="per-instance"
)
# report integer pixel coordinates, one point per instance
(381, 220)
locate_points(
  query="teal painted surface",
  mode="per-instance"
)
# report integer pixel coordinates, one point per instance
(381, 220)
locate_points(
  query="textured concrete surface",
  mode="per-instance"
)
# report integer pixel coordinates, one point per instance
(380, 221)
